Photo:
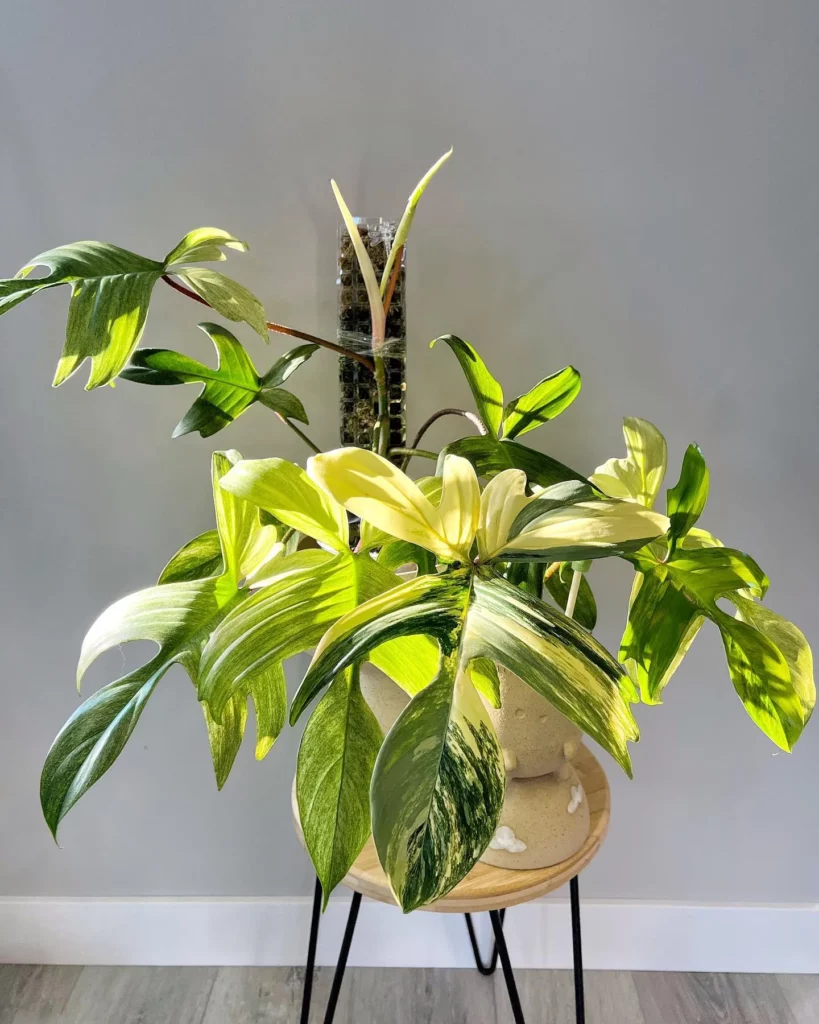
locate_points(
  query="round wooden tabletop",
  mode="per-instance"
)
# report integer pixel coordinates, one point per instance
(491, 888)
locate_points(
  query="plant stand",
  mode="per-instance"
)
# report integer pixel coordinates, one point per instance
(485, 888)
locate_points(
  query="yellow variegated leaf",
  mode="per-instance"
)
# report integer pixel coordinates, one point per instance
(287, 492)
(640, 475)
(596, 525)
(503, 497)
(460, 503)
(372, 487)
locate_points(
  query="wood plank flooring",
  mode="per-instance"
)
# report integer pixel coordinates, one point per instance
(272, 995)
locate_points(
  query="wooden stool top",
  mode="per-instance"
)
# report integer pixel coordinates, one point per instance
(491, 888)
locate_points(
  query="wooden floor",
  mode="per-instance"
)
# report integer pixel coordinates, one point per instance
(256, 995)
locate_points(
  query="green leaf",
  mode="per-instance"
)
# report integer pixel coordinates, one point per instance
(437, 789)
(640, 475)
(178, 616)
(544, 402)
(790, 641)
(229, 389)
(555, 656)
(395, 554)
(404, 225)
(285, 365)
(585, 610)
(226, 737)
(110, 293)
(227, 297)
(285, 490)
(204, 245)
(334, 769)
(687, 499)
(199, 558)
(486, 391)
(768, 658)
(490, 457)
(92, 739)
(662, 624)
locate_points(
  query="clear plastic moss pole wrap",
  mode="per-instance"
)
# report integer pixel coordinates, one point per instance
(358, 396)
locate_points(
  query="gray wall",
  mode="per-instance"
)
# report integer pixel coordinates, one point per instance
(634, 190)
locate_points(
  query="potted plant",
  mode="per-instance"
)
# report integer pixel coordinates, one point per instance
(499, 536)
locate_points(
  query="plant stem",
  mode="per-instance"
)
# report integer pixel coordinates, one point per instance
(409, 452)
(279, 328)
(473, 419)
(553, 568)
(574, 590)
(300, 433)
(383, 425)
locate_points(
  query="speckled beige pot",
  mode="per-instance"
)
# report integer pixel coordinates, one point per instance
(386, 699)
(545, 820)
(536, 738)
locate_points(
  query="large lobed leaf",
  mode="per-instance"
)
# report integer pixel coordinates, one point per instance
(229, 389)
(768, 658)
(111, 291)
(177, 615)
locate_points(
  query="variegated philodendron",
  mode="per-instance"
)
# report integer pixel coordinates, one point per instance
(278, 577)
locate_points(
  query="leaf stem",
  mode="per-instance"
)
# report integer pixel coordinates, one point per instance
(300, 433)
(574, 590)
(280, 328)
(473, 419)
(409, 452)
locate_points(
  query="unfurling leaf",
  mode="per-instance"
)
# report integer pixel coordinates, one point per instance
(544, 402)
(404, 225)
(110, 293)
(231, 388)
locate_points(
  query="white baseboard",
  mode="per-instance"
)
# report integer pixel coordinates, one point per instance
(617, 935)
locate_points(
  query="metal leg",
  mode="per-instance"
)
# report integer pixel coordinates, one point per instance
(577, 949)
(506, 966)
(338, 977)
(311, 955)
(485, 969)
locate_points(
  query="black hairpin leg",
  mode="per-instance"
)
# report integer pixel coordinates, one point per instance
(577, 952)
(338, 977)
(506, 967)
(485, 969)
